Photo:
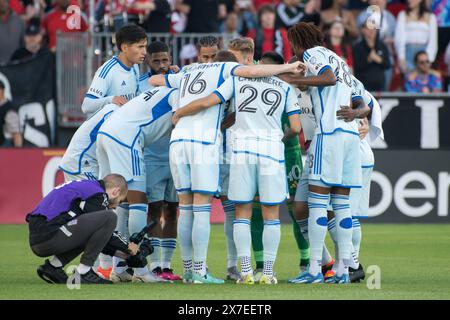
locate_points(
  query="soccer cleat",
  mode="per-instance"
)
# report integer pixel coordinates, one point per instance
(169, 275)
(51, 274)
(356, 275)
(246, 279)
(233, 274)
(104, 273)
(257, 274)
(307, 277)
(149, 277)
(206, 279)
(120, 277)
(187, 277)
(328, 266)
(329, 276)
(266, 279)
(91, 277)
(344, 279)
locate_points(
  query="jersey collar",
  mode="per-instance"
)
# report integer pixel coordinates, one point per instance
(121, 64)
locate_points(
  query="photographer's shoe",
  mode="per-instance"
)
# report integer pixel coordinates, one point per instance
(91, 277)
(149, 277)
(120, 277)
(51, 274)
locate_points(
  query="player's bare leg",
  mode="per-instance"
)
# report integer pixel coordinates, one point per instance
(169, 239)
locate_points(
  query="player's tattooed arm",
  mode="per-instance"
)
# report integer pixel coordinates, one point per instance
(257, 71)
(359, 110)
(324, 79)
(195, 107)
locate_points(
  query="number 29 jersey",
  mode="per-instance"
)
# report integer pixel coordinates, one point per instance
(328, 100)
(194, 82)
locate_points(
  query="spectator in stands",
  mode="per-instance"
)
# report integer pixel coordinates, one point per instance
(267, 38)
(423, 79)
(59, 20)
(447, 62)
(336, 40)
(371, 59)
(441, 9)
(10, 135)
(32, 43)
(416, 31)
(246, 16)
(291, 12)
(204, 16)
(158, 18)
(337, 12)
(230, 28)
(385, 22)
(11, 32)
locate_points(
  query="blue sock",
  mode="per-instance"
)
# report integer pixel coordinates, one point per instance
(317, 229)
(136, 222)
(184, 231)
(271, 241)
(243, 239)
(201, 229)
(230, 214)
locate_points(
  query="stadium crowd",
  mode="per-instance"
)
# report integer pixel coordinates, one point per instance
(407, 27)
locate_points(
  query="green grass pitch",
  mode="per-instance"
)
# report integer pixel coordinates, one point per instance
(414, 261)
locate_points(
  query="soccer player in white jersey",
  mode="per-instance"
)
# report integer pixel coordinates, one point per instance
(80, 161)
(335, 165)
(116, 81)
(194, 155)
(120, 144)
(161, 191)
(257, 163)
(359, 198)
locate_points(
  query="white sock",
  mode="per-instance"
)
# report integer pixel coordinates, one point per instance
(317, 228)
(230, 215)
(271, 241)
(122, 219)
(326, 256)
(105, 261)
(83, 269)
(201, 229)
(333, 234)
(356, 236)
(136, 222)
(303, 225)
(168, 246)
(243, 240)
(155, 257)
(341, 209)
(54, 261)
(184, 230)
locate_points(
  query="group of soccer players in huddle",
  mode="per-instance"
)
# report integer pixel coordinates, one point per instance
(228, 128)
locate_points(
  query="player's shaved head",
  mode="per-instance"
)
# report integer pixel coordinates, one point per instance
(116, 187)
(225, 56)
(272, 57)
(304, 36)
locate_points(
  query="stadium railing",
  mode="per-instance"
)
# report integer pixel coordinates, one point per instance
(78, 56)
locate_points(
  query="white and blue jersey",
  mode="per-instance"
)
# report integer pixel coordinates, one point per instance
(195, 82)
(328, 100)
(112, 79)
(258, 163)
(144, 85)
(80, 159)
(140, 122)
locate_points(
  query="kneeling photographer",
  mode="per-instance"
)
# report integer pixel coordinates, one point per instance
(75, 218)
